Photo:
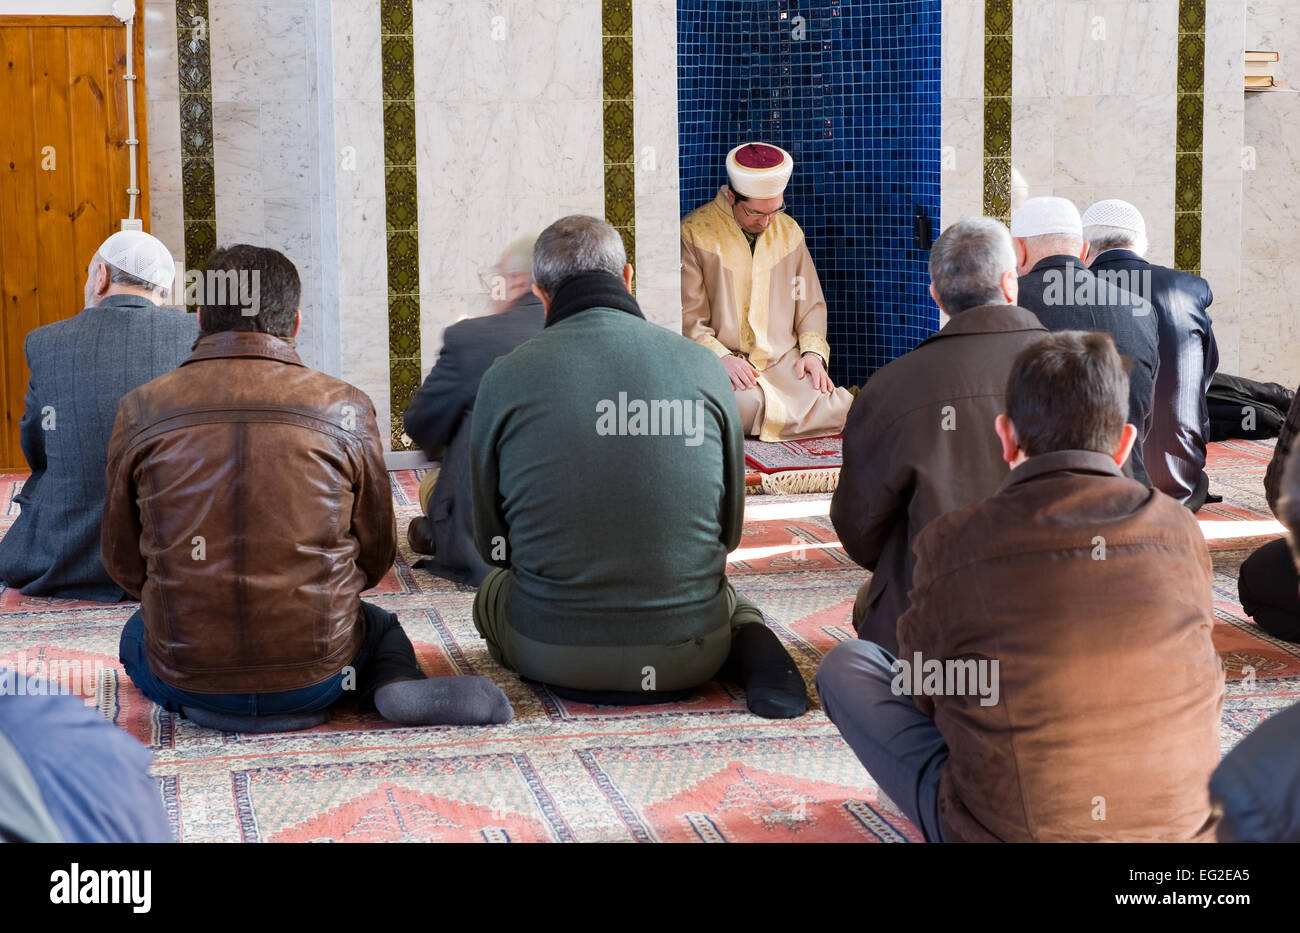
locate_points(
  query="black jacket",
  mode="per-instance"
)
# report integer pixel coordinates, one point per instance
(1174, 449)
(439, 416)
(1064, 295)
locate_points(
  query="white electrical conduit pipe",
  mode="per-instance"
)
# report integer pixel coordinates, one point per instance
(125, 11)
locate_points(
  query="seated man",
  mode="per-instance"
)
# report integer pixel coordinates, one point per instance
(1267, 581)
(750, 293)
(1056, 679)
(914, 445)
(439, 415)
(67, 775)
(608, 477)
(1058, 288)
(248, 508)
(1173, 452)
(1257, 785)
(80, 369)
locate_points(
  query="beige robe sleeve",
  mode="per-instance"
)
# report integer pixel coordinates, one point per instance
(810, 311)
(696, 313)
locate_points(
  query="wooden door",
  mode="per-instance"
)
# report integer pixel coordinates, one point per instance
(64, 175)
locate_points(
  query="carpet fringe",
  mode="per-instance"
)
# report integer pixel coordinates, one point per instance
(801, 482)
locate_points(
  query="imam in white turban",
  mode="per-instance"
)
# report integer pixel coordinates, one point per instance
(757, 170)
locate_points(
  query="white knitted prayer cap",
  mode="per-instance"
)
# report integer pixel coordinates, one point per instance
(141, 255)
(1044, 216)
(1116, 213)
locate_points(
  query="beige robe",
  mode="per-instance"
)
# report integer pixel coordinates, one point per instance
(767, 306)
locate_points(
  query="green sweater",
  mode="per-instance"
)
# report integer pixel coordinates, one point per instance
(614, 535)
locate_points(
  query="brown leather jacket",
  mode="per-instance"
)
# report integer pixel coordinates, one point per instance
(1093, 595)
(248, 507)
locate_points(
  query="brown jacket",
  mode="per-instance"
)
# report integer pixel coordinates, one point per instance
(248, 507)
(919, 442)
(1092, 593)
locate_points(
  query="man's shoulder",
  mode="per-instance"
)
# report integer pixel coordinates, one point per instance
(705, 225)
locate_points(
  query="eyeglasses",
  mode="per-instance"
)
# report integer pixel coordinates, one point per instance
(750, 213)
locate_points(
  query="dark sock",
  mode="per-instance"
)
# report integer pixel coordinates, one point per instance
(443, 701)
(773, 686)
(278, 722)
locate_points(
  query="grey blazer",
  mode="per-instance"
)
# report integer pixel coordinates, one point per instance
(80, 369)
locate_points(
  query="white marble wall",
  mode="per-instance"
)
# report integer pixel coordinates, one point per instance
(658, 208)
(961, 192)
(354, 219)
(163, 124)
(1270, 276)
(267, 181)
(1221, 184)
(509, 135)
(267, 178)
(1093, 110)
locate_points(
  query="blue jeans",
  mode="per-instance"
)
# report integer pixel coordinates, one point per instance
(304, 700)
(900, 746)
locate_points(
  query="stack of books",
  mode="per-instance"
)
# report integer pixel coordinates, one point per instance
(1259, 70)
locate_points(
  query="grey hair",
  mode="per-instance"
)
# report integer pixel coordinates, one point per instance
(120, 277)
(573, 245)
(518, 257)
(967, 264)
(1102, 237)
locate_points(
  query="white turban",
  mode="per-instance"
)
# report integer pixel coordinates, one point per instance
(141, 255)
(757, 170)
(1046, 216)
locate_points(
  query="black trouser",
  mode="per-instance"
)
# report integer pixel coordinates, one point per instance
(1269, 588)
(385, 655)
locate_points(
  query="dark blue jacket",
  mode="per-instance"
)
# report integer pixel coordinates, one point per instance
(1064, 295)
(1174, 449)
(439, 416)
(80, 369)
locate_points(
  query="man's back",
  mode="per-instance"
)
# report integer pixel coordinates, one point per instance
(1092, 594)
(1173, 452)
(80, 369)
(619, 481)
(248, 508)
(919, 442)
(438, 417)
(1064, 295)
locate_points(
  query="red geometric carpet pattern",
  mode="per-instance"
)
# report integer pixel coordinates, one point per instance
(814, 453)
(703, 770)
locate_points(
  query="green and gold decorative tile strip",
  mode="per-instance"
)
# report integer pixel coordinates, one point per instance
(1189, 135)
(997, 109)
(397, 32)
(198, 191)
(620, 169)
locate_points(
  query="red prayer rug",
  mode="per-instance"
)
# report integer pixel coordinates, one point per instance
(792, 467)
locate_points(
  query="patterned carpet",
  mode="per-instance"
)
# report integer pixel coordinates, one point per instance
(703, 770)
